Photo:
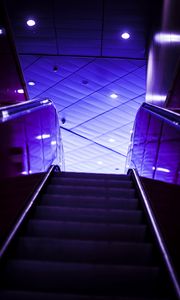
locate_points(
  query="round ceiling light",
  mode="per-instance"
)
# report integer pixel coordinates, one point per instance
(31, 22)
(111, 140)
(31, 83)
(2, 31)
(113, 96)
(20, 91)
(125, 35)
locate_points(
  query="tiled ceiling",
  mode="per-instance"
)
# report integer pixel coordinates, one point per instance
(82, 40)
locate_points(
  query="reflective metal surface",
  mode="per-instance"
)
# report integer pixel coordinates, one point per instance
(155, 147)
(164, 55)
(30, 140)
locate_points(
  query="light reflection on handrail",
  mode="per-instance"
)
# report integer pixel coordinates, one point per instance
(157, 232)
(14, 110)
(25, 212)
(164, 113)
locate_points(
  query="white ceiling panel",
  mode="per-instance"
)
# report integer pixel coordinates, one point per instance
(82, 41)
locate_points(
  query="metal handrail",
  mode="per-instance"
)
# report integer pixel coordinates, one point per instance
(14, 110)
(157, 232)
(164, 113)
(25, 212)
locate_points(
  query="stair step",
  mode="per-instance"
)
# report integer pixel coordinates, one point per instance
(88, 215)
(86, 231)
(89, 202)
(96, 176)
(80, 278)
(97, 252)
(23, 295)
(91, 182)
(98, 191)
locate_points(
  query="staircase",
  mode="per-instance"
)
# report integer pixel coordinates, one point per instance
(87, 238)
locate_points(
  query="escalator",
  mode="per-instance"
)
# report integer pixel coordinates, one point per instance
(87, 237)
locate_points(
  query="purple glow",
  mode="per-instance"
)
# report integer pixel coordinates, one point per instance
(167, 38)
(44, 101)
(40, 155)
(2, 31)
(31, 22)
(113, 96)
(111, 140)
(20, 91)
(31, 83)
(161, 169)
(125, 35)
(150, 97)
(43, 136)
(156, 154)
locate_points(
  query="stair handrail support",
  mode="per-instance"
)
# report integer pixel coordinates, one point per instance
(156, 230)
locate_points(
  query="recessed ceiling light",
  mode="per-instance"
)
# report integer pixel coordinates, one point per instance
(111, 140)
(43, 136)
(113, 96)
(55, 69)
(31, 22)
(32, 83)
(2, 31)
(20, 91)
(84, 81)
(125, 35)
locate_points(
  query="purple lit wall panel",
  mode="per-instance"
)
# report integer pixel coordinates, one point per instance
(169, 154)
(29, 142)
(163, 58)
(151, 146)
(11, 73)
(155, 149)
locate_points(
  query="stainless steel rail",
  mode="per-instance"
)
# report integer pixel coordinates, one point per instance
(14, 110)
(25, 212)
(164, 113)
(157, 232)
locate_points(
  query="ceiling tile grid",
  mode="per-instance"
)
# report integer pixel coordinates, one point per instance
(76, 57)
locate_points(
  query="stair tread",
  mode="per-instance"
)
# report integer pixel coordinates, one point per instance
(86, 239)
(87, 189)
(92, 175)
(78, 277)
(84, 251)
(80, 201)
(80, 230)
(91, 182)
(27, 295)
(90, 214)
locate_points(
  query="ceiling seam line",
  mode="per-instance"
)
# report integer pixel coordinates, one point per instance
(32, 63)
(96, 91)
(85, 56)
(93, 142)
(107, 111)
(64, 78)
(119, 128)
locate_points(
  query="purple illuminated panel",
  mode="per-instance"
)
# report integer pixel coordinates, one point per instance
(163, 57)
(12, 84)
(29, 141)
(155, 149)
